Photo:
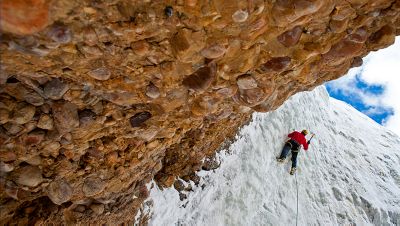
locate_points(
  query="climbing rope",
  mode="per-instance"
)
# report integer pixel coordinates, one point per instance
(297, 191)
(297, 187)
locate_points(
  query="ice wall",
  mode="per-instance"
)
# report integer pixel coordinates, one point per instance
(349, 175)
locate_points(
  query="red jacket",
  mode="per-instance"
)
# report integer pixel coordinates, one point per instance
(299, 138)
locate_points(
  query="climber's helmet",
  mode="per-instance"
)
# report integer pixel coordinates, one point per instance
(305, 132)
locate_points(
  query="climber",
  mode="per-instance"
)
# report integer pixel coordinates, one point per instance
(294, 144)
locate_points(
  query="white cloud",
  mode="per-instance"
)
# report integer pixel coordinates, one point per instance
(375, 111)
(379, 68)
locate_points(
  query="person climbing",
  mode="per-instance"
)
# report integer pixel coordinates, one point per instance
(294, 144)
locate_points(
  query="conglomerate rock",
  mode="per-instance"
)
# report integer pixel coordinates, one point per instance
(99, 97)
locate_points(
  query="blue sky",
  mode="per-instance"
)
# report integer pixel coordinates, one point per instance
(374, 87)
(378, 113)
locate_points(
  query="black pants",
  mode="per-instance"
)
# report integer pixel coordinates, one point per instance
(285, 152)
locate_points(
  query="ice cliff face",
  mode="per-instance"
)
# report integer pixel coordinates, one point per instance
(349, 175)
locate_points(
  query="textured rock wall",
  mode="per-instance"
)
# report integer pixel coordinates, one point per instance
(99, 97)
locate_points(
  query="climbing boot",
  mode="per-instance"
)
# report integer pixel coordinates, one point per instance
(280, 159)
(293, 170)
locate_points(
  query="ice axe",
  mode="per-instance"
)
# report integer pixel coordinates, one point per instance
(312, 135)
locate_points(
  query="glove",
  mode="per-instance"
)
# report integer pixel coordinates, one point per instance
(308, 142)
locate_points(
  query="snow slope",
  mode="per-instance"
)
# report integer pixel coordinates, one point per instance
(351, 173)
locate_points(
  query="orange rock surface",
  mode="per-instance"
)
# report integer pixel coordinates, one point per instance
(98, 97)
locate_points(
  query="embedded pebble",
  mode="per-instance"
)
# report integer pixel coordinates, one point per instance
(13, 128)
(59, 191)
(86, 117)
(65, 117)
(246, 82)
(97, 208)
(201, 79)
(111, 158)
(4, 116)
(55, 89)
(29, 176)
(140, 48)
(51, 149)
(152, 91)
(93, 186)
(34, 161)
(60, 33)
(139, 118)
(169, 11)
(23, 113)
(195, 178)
(34, 99)
(357, 61)
(240, 16)
(7, 156)
(178, 185)
(276, 64)
(101, 73)
(24, 17)
(213, 51)
(291, 37)
(6, 167)
(45, 122)
(34, 137)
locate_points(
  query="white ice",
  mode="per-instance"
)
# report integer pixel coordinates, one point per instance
(351, 173)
